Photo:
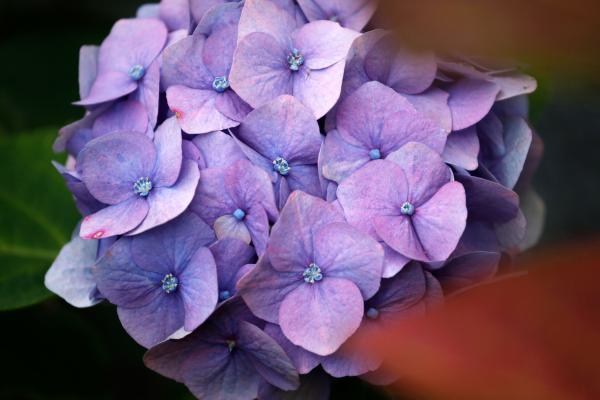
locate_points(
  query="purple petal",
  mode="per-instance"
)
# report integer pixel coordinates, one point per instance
(304, 361)
(434, 105)
(462, 149)
(274, 18)
(228, 226)
(167, 203)
(340, 158)
(126, 116)
(111, 164)
(393, 262)
(148, 91)
(301, 218)
(267, 357)
(218, 50)
(361, 116)
(304, 178)
(115, 219)
(320, 89)
(260, 72)
(424, 169)
(217, 149)
(154, 322)
(231, 255)
(232, 106)
(264, 289)
(320, 317)
(182, 64)
(513, 85)
(323, 43)
(489, 201)
(257, 222)
(405, 126)
(345, 253)
(88, 67)
(167, 140)
(400, 293)
(109, 86)
(175, 14)
(195, 110)
(468, 270)
(470, 100)
(284, 128)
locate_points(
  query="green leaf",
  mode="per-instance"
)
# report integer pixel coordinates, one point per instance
(37, 216)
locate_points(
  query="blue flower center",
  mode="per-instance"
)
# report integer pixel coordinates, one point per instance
(239, 214)
(312, 274)
(170, 283)
(137, 72)
(142, 187)
(295, 60)
(224, 295)
(407, 209)
(375, 154)
(281, 165)
(372, 313)
(220, 84)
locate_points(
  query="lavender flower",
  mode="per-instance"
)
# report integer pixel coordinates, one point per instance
(277, 56)
(162, 281)
(353, 14)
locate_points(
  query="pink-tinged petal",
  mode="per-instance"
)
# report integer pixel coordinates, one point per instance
(360, 17)
(393, 262)
(195, 110)
(320, 89)
(182, 64)
(361, 116)
(109, 86)
(377, 189)
(264, 289)
(323, 43)
(470, 100)
(398, 233)
(226, 14)
(284, 128)
(425, 171)
(343, 252)
(405, 126)
(126, 116)
(462, 149)
(441, 221)
(201, 8)
(267, 357)
(320, 317)
(115, 220)
(88, 67)
(217, 150)
(301, 218)
(353, 14)
(167, 203)
(282, 192)
(218, 50)
(199, 288)
(148, 91)
(260, 72)
(340, 158)
(434, 105)
(155, 322)
(232, 106)
(304, 361)
(228, 226)
(401, 69)
(275, 18)
(257, 223)
(167, 140)
(175, 14)
(111, 164)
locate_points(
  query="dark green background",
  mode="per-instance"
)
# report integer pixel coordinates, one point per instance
(54, 351)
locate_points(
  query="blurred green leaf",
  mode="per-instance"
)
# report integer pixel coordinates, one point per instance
(36, 216)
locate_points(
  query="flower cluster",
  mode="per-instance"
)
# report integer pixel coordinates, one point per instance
(260, 181)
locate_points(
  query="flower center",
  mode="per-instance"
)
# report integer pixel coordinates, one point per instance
(281, 165)
(170, 283)
(334, 18)
(295, 60)
(372, 313)
(220, 84)
(142, 187)
(224, 295)
(312, 274)
(239, 214)
(407, 209)
(231, 345)
(375, 154)
(137, 72)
